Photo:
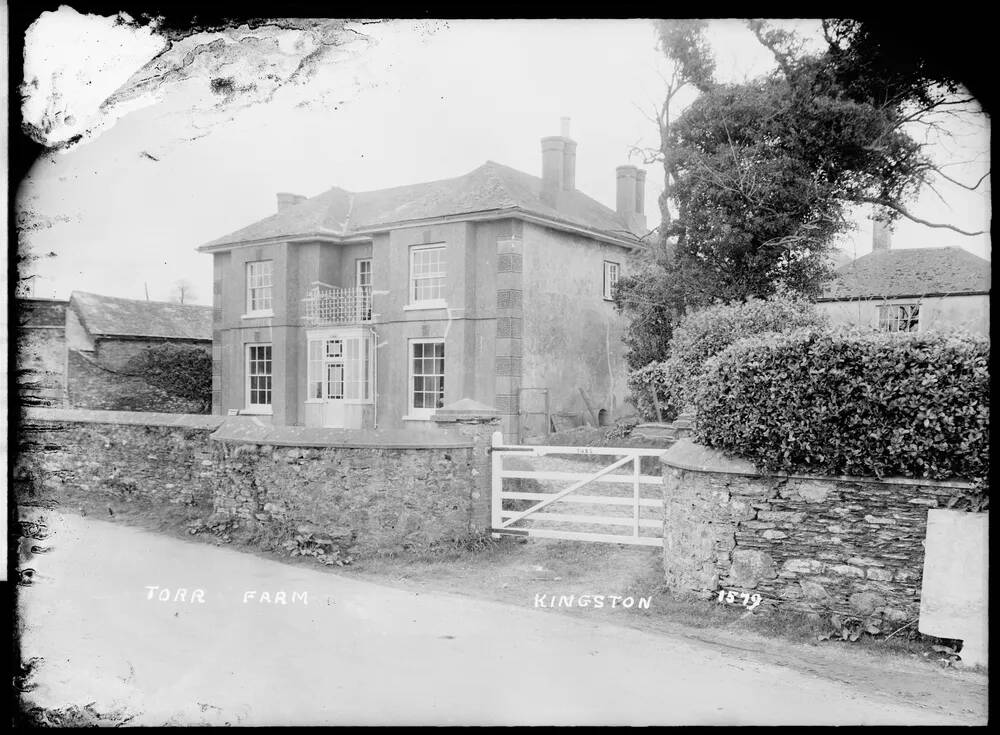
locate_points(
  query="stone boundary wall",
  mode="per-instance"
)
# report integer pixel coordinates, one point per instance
(386, 490)
(817, 544)
(155, 456)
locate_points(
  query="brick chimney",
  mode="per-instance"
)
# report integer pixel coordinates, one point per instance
(558, 164)
(286, 200)
(630, 197)
(881, 234)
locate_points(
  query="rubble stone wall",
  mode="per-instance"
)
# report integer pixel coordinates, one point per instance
(816, 544)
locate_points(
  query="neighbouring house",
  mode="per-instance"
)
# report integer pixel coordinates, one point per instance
(374, 309)
(41, 351)
(911, 289)
(104, 333)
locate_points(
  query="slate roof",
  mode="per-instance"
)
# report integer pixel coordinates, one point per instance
(489, 188)
(107, 316)
(910, 272)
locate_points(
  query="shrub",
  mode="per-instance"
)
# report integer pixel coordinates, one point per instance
(181, 372)
(852, 404)
(704, 333)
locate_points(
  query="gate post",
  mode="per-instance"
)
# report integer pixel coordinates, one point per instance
(496, 482)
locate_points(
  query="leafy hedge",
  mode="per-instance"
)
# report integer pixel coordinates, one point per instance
(706, 332)
(852, 404)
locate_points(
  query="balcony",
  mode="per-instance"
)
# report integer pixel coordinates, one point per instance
(326, 305)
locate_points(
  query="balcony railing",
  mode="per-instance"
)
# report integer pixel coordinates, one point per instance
(328, 305)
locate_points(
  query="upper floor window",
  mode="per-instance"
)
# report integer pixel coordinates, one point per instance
(363, 277)
(610, 279)
(427, 274)
(899, 317)
(260, 282)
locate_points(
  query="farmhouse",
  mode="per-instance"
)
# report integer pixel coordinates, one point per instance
(911, 289)
(374, 309)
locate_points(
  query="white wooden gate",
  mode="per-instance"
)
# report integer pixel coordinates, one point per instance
(503, 519)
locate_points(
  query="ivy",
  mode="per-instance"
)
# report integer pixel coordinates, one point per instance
(181, 372)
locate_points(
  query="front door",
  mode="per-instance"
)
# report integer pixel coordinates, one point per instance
(333, 383)
(333, 402)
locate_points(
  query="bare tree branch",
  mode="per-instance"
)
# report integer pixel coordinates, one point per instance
(902, 210)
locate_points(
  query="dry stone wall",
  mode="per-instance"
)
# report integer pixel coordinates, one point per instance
(817, 544)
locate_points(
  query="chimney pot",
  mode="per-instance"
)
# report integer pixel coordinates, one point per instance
(558, 164)
(630, 193)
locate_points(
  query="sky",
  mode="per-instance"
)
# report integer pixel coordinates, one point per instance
(165, 163)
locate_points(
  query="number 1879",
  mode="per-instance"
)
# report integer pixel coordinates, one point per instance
(742, 598)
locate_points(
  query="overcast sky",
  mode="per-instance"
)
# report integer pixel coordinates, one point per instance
(166, 163)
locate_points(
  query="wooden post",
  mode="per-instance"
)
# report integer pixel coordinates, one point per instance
(548, 416)
(635, 497)
(496, 482)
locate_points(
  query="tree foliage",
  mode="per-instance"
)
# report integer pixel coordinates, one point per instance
(762, 174)
(704, 333)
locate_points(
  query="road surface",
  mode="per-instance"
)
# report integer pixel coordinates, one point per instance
(344, 651)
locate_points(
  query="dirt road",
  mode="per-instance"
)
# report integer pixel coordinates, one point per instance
(334, 650)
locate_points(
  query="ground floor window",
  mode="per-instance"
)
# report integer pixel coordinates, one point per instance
(258, 370)
(899, 317)
(426, 377)
(340, 368)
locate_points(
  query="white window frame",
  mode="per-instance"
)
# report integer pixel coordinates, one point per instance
(436, 303)
(359, 372)
(892, 315)
(358, 273)
(257, 408)
(414, 413)
(267, 289)
(611, 267)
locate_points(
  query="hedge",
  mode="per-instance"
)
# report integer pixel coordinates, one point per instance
(703, 334)
(852, 404)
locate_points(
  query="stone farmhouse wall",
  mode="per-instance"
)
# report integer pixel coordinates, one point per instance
(97, 380)
(815, 544)
(385, 490)
(41, 352)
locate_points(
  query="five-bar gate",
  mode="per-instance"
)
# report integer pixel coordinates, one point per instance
(504, 519)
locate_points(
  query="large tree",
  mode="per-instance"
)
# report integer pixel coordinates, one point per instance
(764, 173)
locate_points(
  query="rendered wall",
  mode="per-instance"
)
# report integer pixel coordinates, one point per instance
(572, 336)
(941, 313)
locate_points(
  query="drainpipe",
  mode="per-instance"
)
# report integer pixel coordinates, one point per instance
(374, 367)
